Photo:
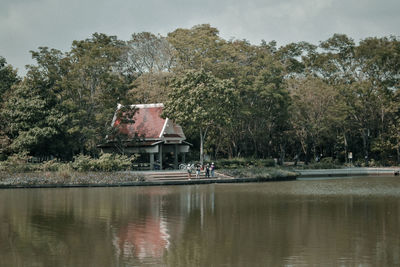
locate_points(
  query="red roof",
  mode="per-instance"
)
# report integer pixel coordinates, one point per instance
(148, 123)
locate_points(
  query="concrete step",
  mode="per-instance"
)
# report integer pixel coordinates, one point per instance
(183, 176)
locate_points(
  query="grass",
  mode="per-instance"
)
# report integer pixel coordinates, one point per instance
(67, 177)
(271, 173)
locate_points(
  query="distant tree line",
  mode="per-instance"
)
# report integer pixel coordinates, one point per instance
(233, 98)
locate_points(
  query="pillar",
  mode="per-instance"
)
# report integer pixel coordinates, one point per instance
(160, 155)
(151, 161)
(176, 157)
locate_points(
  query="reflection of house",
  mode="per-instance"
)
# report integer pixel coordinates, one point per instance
(147, 239)
(148, 133)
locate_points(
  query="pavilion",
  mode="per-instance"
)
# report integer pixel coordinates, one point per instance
(146, 132)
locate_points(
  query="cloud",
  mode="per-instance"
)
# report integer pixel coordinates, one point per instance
(28, 24)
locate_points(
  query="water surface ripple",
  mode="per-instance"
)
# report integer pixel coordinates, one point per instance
(327, 222)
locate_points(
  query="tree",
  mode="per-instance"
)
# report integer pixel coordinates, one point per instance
(200, 101)
(150, 53)
(92, 88)
(35, 118)
(196, 48)
(8, 79)
(315, 113)
(150, 88)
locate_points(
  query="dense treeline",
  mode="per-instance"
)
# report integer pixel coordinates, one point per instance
(234, 99)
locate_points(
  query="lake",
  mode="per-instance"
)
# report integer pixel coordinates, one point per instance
(319, 222)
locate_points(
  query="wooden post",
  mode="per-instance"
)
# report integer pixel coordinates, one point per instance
(151, 161)
(160, 155)
(176, 157)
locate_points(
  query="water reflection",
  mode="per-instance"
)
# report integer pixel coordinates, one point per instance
(300, 223)
(147, 237)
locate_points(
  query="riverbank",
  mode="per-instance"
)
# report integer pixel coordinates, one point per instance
(49, 179)
(345, 172)
(68, 179)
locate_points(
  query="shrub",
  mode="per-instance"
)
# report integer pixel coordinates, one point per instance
(52, 165)
(106, 162)
(18, 163)
(244, 163)
(263, 173)
(322, 165)
(111, 162)
(82, 163)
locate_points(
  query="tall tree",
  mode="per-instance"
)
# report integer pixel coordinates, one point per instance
(147, 52)
(315, 113)
(202, 102)
(33, 112)
(8, 79)
(93, 86)
(196, 48)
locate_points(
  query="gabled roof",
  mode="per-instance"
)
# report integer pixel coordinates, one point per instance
(148, 124)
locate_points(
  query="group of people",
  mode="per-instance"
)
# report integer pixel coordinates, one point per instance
(208, 170)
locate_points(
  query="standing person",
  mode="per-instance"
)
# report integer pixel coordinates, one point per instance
(197, 171)
(212, 169)
(208, 170)
(189, 170)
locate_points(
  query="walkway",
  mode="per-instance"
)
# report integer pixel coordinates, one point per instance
(347, 172)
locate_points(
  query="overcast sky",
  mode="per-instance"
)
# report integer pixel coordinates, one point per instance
(27, 24)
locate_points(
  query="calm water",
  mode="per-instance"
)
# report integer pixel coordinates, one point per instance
(343, 222)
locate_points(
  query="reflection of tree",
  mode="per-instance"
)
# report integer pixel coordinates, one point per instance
(253, 229)
(215, 225)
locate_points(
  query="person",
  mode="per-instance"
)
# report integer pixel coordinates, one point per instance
(208, 170)
(189, 170)
(197, 171)
(212, 169)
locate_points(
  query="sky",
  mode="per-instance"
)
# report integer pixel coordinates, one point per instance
(28, 24)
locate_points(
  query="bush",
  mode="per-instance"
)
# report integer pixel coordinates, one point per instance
(111, 162)
(82, 163)
(106, 162)
(322, 165)
(52, 165)
(244, 163)
(259, 173)
(18, 163)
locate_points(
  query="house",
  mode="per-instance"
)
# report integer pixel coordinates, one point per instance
(140, 129)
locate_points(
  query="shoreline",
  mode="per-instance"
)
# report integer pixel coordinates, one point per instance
(143, 178)
(346, 172)
(120, 179)
(154, 183)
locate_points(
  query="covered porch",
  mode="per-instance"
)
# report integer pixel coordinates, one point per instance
(159, 155)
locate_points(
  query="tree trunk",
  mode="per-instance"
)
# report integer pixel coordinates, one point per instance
(365, 146)
(345, 148)
(202, 138)
(201, 147)
(282, 153)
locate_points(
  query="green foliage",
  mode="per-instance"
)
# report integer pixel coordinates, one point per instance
(321, 165)
(234, 99)
(18, 163)
(202, 102)
(106, 162)
(8, 77)
(244, 163)
(259, 173)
